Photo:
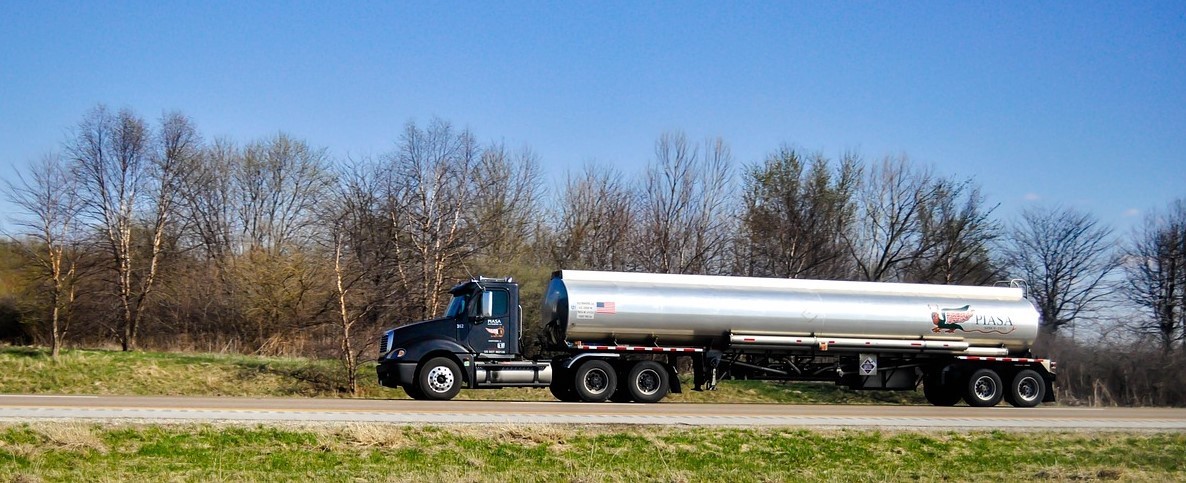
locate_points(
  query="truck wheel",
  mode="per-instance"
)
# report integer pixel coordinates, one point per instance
(647, 382)
(595, 381)
(561, 386)
(564, 394)
(940, 394)
(439, 379)
(984, 389)
(1027, 389)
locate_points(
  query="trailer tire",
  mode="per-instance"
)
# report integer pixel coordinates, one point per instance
(439, 379)
(1027, 389)
(595, 381)
(984, 389)
(647, 382)
(939, 394)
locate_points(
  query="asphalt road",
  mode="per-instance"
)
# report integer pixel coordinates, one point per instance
(212, 409)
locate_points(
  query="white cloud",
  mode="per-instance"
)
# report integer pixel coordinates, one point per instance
(1032, 197)
(1131, 212)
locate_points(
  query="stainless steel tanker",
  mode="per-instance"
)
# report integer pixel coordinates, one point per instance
(697, 310)
(626, 337)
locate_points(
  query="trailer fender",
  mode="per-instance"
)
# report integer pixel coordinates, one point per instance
(572, 362)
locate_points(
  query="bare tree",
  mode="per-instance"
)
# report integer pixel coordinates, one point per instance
(506, 208)
(957, 233)
(1155, 269)
(796, 211)
(50, 196)
(127, 177)
(278, 183)
(888, 233)
(433, 184)
(592, 228)
(684, 211)
(208, 200)
(1065, 256)
(363, 262)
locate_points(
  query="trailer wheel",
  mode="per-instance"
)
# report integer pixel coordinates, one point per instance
(439, 379)
(1027, 389)
(940, 394)
(984, 389)
(647, 382)
(595, 381)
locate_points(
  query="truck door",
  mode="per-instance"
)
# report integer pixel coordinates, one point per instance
(492, 326)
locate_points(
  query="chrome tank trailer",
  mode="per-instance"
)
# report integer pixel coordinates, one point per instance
(586, 307)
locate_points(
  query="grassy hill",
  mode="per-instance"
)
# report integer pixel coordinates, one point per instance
(26, 370)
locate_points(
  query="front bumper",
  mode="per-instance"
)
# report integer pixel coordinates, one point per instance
(396, 374)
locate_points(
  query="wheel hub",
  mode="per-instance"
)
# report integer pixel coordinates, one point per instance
(440, 379)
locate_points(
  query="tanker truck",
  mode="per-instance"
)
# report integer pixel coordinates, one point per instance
(612, 336)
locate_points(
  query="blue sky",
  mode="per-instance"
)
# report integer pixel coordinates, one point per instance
(1076, 103)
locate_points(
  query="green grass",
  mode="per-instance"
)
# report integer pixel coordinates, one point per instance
(26, 370)
(373, 452)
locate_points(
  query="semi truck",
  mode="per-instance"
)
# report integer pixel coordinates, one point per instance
(624, 337)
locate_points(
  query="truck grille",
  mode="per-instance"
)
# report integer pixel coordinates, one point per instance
(385, 342)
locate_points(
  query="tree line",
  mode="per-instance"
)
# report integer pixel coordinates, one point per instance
(145, 234)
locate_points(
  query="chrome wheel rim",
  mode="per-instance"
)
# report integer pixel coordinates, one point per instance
(440, 379)
(596, 381)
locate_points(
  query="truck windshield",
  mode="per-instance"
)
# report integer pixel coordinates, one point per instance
(456, 306)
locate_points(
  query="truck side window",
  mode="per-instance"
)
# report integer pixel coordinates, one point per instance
(500, 303)
(456, 306)
(494, 303)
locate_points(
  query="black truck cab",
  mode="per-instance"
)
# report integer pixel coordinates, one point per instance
(475, 343)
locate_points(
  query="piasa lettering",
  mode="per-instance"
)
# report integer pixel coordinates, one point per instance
(991, 320)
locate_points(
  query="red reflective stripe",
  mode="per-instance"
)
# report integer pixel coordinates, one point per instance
(636, 348)
(1001, 359)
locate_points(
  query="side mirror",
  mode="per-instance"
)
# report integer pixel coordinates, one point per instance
(487, 307)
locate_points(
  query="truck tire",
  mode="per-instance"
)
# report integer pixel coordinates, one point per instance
(984, 389)
(647, 382)
(564, 394)
(1026, 390)
(439, 379)
(595, 381)
(561, 386)
(940, 394)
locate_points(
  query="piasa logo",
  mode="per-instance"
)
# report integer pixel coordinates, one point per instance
(965, 319)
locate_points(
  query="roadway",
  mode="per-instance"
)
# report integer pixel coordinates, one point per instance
(158, 409)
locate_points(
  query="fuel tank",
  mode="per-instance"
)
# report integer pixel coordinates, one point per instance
(713, 311)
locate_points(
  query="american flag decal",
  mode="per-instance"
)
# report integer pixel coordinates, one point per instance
(606, 308)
